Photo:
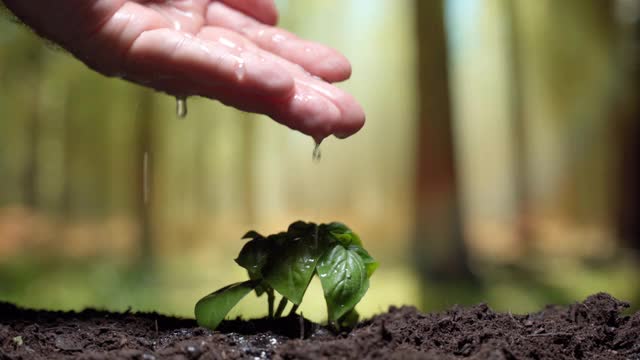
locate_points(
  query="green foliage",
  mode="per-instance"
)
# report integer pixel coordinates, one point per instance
(212, 309)
(292, 267)
(286, 262)
(344, 280)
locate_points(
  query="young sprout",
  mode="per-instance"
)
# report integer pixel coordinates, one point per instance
(285, 263)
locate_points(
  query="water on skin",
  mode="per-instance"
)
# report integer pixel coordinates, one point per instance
(181, 107)
(240, 70)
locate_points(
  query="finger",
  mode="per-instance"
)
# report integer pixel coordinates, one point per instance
(264, 11)
(185, 16)
(315, 58)
(305, 111)
(312, 92)
(167, 54)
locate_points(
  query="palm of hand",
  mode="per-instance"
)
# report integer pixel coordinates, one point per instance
(226, 50)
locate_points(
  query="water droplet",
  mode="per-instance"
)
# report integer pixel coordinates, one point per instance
(145, 177)
(181, 106)
(228, 43)
(317, 153)
(349, 276)
(276, 38)
(240, 70)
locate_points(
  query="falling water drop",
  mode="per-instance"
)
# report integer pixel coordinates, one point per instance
(317, 154)
(145, 178)
(181, 106)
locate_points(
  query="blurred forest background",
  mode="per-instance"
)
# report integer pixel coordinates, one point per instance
(499, 163)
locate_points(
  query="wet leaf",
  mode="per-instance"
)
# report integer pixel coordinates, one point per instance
(301, 229)
(369, 262)
(252, 235)
(342, 234)
(211, 309)
(344, 280)
(278, 239)
(254, 256)
(292, 266)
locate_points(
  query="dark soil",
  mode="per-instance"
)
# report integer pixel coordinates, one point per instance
(593, 329)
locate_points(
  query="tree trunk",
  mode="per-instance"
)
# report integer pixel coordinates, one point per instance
(628, 138)
(439, 250)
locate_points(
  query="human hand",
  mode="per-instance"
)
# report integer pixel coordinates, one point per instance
(228, 50)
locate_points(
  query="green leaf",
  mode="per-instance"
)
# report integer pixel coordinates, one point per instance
(301, 229)
(344, 280)
(292, 266)
(349, 320)
(211, 309)
(369, 262)
(278, 239)
(342, 234)
(254, 256)
(252, 235)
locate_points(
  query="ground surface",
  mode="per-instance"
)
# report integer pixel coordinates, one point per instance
(593, 329)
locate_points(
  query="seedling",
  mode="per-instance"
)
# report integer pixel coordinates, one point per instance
(285, 263)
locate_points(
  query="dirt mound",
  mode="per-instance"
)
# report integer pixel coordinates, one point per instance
(591, 329)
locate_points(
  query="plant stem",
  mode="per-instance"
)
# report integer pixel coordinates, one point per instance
(271, 298)
(281, 306)
(293, 310)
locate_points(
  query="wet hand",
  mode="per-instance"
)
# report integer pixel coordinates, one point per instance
(228, 50)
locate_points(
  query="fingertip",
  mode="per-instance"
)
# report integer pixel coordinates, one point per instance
(271, 15)
(309, 113)
(267, 12)
(335, 68)
(321, 119)
(352, 120)
(348, 129)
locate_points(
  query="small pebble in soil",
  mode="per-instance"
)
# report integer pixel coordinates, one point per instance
(18, 340)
